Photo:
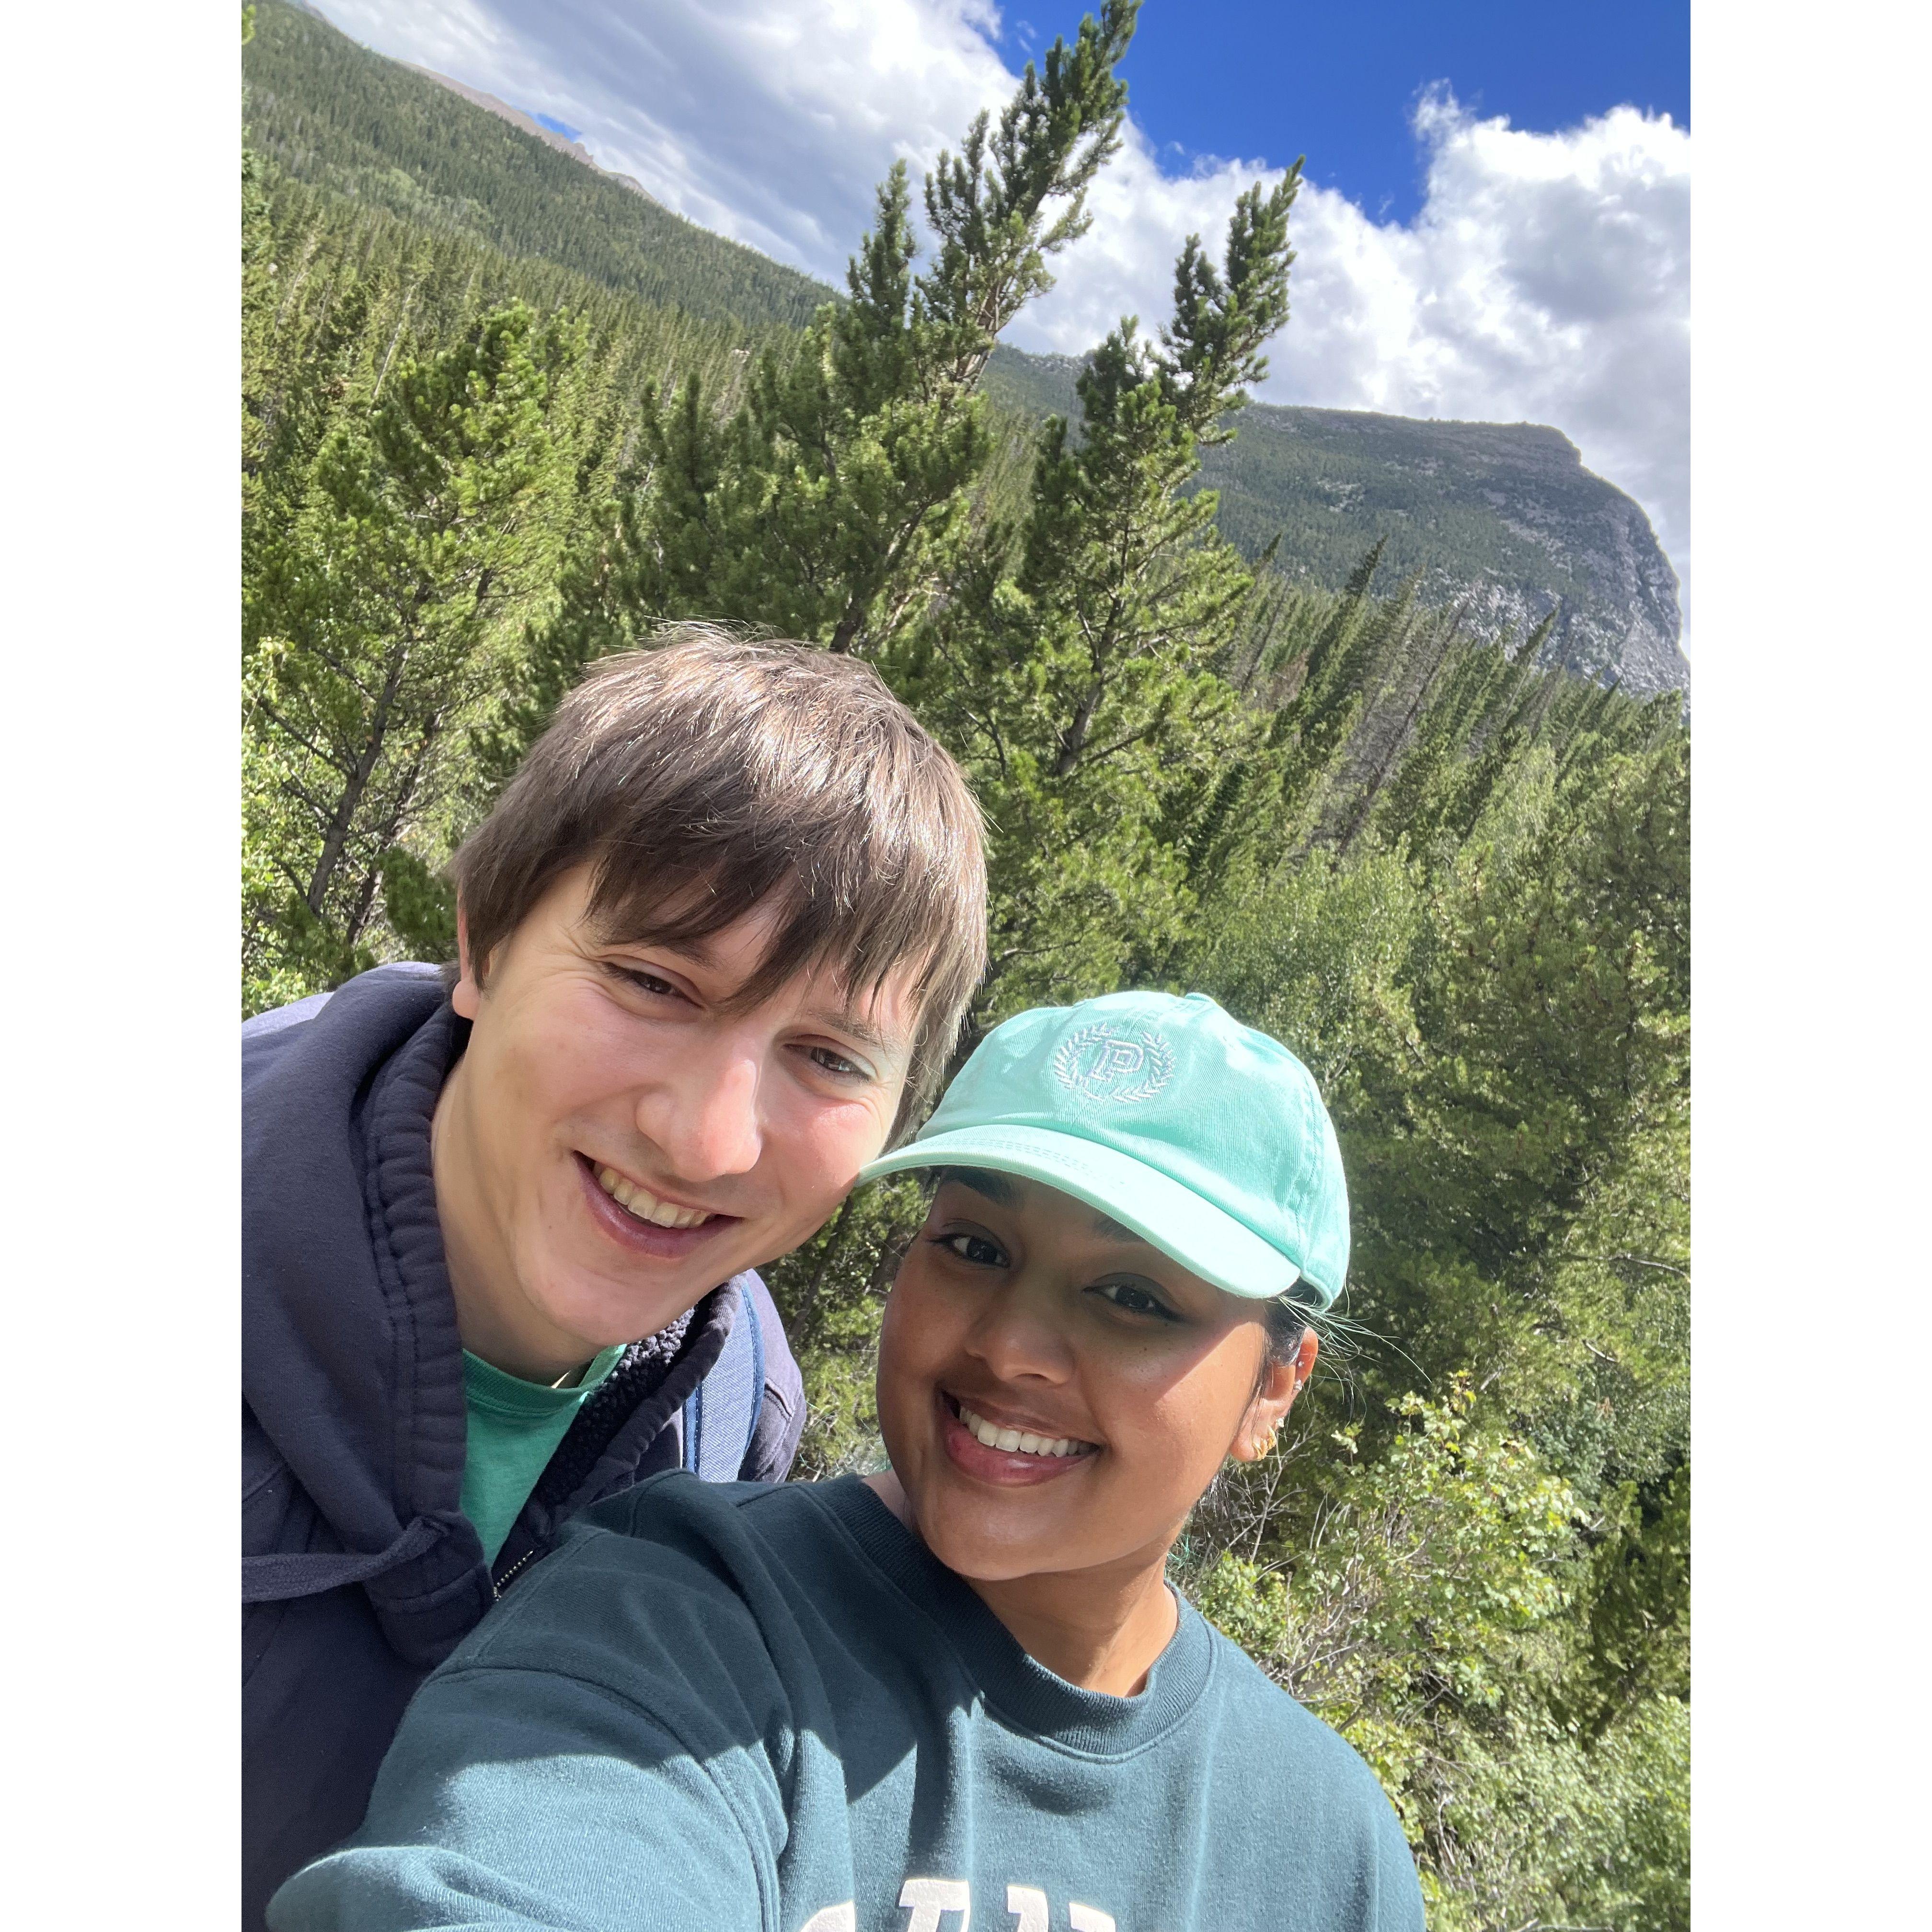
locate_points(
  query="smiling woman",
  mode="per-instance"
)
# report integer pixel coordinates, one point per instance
(1056, 1392)
(964, 1685)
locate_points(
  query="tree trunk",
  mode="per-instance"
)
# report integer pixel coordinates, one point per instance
(1073, 740)
(336, 840)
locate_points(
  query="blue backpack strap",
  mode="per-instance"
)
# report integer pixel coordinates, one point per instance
(721, 1416)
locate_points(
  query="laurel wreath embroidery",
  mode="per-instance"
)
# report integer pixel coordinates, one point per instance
(1115, 1063)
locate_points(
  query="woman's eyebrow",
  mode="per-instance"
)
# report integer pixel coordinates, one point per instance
(982, 1181)
(1106, 1224)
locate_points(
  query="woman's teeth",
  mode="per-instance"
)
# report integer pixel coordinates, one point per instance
(646, 1205)
(1021, 1442)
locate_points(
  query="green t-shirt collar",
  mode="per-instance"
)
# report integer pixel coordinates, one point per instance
(486, 1386)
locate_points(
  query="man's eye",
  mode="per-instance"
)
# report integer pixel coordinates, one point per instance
(643, 982)
(974, 1248)
(1135, 1299)
(835, 1062)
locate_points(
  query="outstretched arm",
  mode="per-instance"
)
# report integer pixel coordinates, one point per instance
(521, 1798)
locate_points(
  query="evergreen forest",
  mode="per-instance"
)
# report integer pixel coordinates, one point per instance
(1455, 883)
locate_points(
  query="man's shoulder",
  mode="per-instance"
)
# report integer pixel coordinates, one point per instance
(411, 982)
(369, 1015)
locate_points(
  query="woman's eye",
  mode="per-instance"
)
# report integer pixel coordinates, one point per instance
(974, 1248)
(1135, 1299)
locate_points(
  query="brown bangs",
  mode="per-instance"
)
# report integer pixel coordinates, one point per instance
(712, 775)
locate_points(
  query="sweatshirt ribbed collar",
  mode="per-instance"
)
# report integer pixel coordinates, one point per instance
(1023, 1694)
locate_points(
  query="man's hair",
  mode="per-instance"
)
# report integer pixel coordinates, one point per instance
(707, 774)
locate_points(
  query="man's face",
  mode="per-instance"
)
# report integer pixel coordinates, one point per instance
(614, 1143)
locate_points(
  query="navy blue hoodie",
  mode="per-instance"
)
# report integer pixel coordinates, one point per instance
(360, 1572)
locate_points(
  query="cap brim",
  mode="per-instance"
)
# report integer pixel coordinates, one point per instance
(1203, 1238)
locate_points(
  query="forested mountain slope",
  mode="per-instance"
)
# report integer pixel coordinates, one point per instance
(327, 111)
(1502, 520)
(562, 144)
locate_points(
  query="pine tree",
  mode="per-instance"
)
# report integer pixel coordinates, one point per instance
(828, 503)
(424, 530)
(1077, 684)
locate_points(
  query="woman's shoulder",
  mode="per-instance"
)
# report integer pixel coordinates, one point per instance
(670, 1549)
(1313, 1764)
(674, 1529)
(675, 1511)
(679, 1597)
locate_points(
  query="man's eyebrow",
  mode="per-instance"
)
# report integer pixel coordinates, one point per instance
(838, 1019)
(698, 949)
(876, 1038)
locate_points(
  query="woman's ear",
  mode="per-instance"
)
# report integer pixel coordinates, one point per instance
(466, 996)
(1281, 1383)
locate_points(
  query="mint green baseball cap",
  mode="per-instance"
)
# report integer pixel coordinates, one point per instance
(1207, 1138)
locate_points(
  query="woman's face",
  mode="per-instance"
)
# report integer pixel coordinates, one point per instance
(1120, 1382)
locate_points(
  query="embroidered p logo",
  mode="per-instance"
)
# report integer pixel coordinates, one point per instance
(1122, 1064)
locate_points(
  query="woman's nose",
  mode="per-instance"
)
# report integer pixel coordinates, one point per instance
(1019, 1336)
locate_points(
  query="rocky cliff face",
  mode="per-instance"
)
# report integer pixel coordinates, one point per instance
(1500, 519)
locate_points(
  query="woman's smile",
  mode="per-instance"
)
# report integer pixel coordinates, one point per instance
(981, 1444)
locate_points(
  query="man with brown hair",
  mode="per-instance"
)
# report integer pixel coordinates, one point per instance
(500, 1220)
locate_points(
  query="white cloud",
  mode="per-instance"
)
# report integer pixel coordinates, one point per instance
(770, 124)
(1546, 279)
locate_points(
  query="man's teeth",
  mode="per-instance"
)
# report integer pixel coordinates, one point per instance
(646, 1205)
(1023, 1441)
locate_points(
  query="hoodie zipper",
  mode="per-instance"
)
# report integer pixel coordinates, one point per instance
(500, 1584)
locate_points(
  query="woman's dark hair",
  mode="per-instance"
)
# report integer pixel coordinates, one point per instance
(1286, 1319)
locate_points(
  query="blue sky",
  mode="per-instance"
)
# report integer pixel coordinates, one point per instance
(1257, 79)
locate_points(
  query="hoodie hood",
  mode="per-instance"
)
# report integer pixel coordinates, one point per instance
(351, 1362)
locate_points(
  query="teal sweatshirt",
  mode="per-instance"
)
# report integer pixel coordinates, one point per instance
(747, 1708)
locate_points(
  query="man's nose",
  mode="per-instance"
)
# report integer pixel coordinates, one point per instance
(704, 1119)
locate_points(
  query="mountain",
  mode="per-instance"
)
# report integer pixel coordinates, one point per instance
(562, 144)
(331, 113)
(1500, 519)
